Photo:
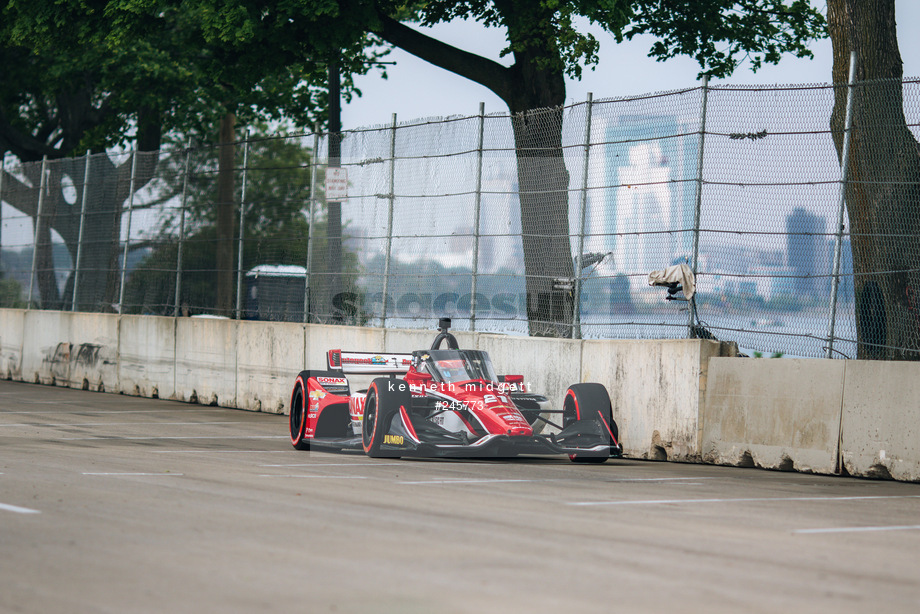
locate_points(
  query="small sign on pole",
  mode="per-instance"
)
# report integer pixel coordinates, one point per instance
(336, 184)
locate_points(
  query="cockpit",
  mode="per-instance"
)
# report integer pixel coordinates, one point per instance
(453, 366)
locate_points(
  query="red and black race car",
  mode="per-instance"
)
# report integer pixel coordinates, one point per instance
(449, 403)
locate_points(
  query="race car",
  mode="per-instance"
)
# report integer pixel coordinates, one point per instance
(447, 403)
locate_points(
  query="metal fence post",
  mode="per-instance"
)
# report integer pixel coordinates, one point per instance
(699, 202)
(239, 258)
(2, 173)
(76, 268)
(38, 216)
(124, 258)
(392, 198)
(188, 155)
(310, 241)
(579, 255)
(476, 212)
(844, 172)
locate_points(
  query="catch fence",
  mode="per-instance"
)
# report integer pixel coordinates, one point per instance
(544, 224)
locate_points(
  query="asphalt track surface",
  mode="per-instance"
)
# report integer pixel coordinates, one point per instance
(117, 504)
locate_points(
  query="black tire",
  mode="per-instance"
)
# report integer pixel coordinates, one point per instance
(384, 398)
(590, 402)
(298, 418)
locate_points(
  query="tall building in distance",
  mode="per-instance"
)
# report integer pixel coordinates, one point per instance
(806, 252)
(646, 218)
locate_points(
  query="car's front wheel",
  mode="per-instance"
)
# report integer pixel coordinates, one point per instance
(298, 416)
(384, 399)
(590, 402)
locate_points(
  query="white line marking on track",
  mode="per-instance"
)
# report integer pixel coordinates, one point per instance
(739, 500)
(482, 481)
(317, 477)
(337, 465)
(655, 479)
(94, 424)
(94, 412)
(117, 438)
(220, 451)
(907, 527)
(18, 510)
(131, 473)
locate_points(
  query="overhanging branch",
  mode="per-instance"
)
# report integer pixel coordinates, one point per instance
(483, 71)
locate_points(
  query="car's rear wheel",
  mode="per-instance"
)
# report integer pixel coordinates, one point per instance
(298, 418)
(384, 398)
(590, 401)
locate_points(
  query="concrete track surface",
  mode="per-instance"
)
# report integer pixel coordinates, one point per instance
(117, 504)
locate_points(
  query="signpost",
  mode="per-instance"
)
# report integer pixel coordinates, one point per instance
(336, 184)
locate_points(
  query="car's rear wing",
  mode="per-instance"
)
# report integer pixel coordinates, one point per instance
(368, 362)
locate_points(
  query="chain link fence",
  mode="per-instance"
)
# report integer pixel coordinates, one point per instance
(422, 219)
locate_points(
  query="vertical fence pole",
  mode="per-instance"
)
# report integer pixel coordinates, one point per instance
(579, 262)
(38, 216)
(476, 210)
(188, 155)
(239, 256)
(76, 268)
(124, 258)
(2, 172)
(844, 175)
(699, 201)
(392, 198)
(314, 163)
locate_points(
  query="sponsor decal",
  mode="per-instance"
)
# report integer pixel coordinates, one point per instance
(356, 406)
(332, 381)
(317, 394)
(378, 360)
(356, 361)
(396, 440)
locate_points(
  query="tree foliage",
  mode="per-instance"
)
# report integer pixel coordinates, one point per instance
(92, 75)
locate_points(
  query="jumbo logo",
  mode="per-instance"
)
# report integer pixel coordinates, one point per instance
(396, 440)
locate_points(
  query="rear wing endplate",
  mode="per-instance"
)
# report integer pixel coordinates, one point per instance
(368, 362)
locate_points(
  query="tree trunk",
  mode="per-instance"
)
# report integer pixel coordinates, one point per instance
(883, 190)
(543, 183)
(225, 217)
(535, 99)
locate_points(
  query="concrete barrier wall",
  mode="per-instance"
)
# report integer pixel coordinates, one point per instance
(881, 419)
(656, 386)
(775, 414)
(12, 331)
(679, 400)
(825, 416)
(658, 391)
(146, 356)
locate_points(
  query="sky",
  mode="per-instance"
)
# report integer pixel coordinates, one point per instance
(415, 89)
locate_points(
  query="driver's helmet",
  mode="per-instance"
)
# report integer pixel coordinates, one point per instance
(451, 370)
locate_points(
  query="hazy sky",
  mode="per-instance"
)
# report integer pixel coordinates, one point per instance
(416, 89)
